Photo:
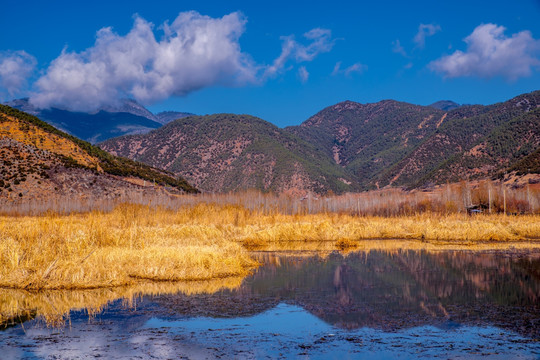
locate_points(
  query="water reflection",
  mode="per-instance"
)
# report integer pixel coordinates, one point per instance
(385, 290)
(388, 290)
(54, 306)
(376, 304)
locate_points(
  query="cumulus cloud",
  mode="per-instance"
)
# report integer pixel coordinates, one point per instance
(15, 69)
(424, 31)
(196, 51)
(303, 74)
(318, 41)
(491, 53)
(354, 68)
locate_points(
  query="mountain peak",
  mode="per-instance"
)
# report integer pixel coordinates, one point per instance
(445, 105)
(346, 105)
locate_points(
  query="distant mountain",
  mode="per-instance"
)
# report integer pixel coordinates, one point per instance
(166, 117)
(39, 161)
(128, 117)
(445, 105)
(226, 152)
(346, 147)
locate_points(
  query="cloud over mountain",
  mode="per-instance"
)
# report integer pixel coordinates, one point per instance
(196, 51)
(319, 41)
(491, 53)
(15, 69)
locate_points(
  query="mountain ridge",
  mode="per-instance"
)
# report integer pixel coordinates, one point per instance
(364, 146)
(445, 105)
(126, 117)
(228, 152)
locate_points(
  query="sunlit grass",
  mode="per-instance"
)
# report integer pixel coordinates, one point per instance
(203, 242)
(119, 248)
(51, 264)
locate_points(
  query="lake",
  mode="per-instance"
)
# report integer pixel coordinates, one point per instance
(377, 304)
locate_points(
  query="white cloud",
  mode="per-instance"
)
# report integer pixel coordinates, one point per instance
(398, 48)
(354, 68)
(196, 51)
(425, 30)
(303, 74)
(15, 69)
(491, 53)
(320, 41)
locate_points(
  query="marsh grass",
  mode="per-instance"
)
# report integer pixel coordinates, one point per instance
(129, 244)
(133, 243)
(53, 263)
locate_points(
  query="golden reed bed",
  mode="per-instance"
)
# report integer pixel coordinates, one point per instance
(135, 243)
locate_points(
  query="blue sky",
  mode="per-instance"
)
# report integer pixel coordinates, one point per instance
(282, 61)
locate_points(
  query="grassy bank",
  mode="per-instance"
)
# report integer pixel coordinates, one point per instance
(123, 247)
(135, 243)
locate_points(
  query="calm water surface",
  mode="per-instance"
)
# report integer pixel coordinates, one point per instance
(382, 305)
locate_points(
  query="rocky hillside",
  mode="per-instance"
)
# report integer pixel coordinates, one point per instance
(391, 143)
(128, 117)
(366, 139)
(226, 152)
(346, 147)
(39, 161)
(474, 142)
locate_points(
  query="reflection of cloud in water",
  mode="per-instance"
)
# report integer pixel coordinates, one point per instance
(285, 331)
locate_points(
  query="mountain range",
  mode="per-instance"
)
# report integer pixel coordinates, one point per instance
(346, 147)
(227, 152)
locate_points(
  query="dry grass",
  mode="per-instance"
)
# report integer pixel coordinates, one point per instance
(331, 231)
(203, 242)
(113, 249)
(114, 255)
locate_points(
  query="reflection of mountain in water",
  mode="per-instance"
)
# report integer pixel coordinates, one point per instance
(389, 290)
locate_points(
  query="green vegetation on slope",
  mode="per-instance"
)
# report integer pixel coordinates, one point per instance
(369, 138)
(528, 165)
(110, 164)
(345, 147)
(436, 159)
(227, 152)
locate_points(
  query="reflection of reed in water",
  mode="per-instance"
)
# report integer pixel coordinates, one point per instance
(54, 306)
